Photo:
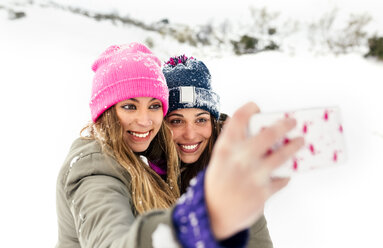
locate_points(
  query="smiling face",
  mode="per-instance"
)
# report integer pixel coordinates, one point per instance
(141, 119)
(192, 130)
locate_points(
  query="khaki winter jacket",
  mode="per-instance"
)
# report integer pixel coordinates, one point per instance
(94, 206)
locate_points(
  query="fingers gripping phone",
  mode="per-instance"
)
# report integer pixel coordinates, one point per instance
(322, 130)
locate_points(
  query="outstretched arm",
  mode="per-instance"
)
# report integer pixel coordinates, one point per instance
(238, 179)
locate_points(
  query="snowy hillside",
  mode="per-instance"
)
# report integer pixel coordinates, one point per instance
(45, 72)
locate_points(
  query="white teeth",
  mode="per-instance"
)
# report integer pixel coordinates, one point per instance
(191, 147)
(140, 135)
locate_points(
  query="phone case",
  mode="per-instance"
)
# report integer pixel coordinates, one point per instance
(322, 130)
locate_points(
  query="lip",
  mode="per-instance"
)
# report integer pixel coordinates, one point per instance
(135, 136)
(186, 150)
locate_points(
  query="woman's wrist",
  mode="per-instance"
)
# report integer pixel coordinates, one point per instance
(190, 216)
(192, 222)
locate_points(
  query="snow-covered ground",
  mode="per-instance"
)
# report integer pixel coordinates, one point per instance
(45, 72)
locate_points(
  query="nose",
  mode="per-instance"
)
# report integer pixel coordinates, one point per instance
(189, 132)
(143, 119)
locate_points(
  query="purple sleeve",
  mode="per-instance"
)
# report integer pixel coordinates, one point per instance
(192, 223)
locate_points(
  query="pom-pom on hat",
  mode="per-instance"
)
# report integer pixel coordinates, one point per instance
(123, 72)
(189, 84)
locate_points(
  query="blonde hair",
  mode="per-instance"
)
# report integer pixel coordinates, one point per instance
(149, 191)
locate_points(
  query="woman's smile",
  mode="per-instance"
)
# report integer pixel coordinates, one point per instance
(140, 136)
(189, 148)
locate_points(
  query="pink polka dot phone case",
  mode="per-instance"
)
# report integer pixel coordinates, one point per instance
(322, 130)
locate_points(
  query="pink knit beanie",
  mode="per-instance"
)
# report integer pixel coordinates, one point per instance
(123, 72)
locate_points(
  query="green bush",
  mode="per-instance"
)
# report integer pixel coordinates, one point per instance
(246, 44)
(271, 46)
(375, 45)
(271, 31)
(13, 14)
(149, 42)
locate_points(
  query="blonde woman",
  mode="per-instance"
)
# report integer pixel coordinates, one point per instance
(109, 190)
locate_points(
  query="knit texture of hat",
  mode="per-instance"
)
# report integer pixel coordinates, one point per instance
(123, 72)
(189, 84)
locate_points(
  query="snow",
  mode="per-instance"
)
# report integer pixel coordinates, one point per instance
(46, 75)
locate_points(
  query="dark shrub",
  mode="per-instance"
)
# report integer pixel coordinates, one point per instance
(271, 46)
(375, 45)
(13, 15)
(246, 44)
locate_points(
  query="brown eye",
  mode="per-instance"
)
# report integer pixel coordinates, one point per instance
(129, 107)
(201, 120)
(155, 106)
(175, 122)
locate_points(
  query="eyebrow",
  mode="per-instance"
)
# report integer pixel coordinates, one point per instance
(203, 113)
(199, 114)
(135, 100)
(179, 115)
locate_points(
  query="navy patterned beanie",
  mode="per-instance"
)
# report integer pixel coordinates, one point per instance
(189, 85)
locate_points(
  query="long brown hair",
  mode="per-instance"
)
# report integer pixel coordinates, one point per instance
(149, 191)
(191, 170)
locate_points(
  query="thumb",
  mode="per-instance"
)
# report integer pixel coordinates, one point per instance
(276, 184)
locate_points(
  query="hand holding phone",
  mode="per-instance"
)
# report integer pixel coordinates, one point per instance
(323, 132)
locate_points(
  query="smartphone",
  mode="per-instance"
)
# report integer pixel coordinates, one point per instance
(322, 130)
